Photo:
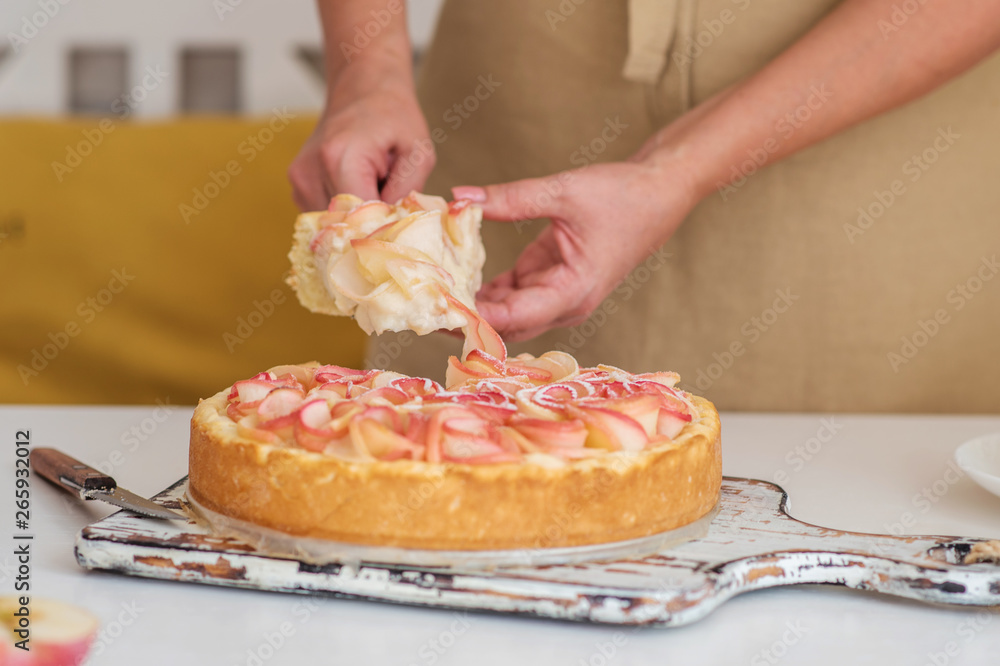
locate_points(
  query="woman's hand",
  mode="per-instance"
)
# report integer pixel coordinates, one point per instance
(371, 141)
(605, 219)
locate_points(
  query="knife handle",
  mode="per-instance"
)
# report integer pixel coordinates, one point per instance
(69, 473)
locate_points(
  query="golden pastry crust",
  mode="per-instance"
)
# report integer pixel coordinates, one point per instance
(455, 506)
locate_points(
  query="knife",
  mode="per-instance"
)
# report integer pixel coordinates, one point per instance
(89, 484)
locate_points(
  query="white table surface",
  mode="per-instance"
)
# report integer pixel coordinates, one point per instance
(867, 477)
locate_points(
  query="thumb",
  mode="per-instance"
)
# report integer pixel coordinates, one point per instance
(409, 172)
(519, 200)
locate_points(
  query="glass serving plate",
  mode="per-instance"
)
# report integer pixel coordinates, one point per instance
(321, 551)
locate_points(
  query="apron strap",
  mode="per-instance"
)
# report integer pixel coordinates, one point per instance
(654, 26)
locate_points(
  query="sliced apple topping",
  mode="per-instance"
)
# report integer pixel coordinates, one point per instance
(493, 415)
(383, 263)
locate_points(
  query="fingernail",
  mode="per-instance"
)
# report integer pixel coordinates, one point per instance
(470, 193)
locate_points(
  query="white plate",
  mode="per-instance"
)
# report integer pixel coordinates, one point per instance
(980, 459)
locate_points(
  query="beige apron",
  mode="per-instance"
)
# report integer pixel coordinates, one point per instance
(859, 275)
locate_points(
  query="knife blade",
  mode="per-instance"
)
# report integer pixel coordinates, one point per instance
(89, 484)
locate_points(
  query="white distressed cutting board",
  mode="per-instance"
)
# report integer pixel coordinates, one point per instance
(751, 544)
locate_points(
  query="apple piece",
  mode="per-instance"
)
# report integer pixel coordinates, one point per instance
(546, 434)
(607, 429)
(421, 231)
(417, 201)
(250, 391)
(387, 395)
(416, 386)
(331, 236)
(279, 404)
(416, 428)
(457, 206)
(459, 373)
(507, 385)
(644, 409)
(237, 410)
(345, 203)
(613, 389)
(469, 439)
(414, 276)
(368, 216)
(479, 360)
(670, 424)
(385, 378)
(374, 254)
(435, 430)
(387, 416)
(668, 379)
(348, 282)
(382, 442)
(247, 427)
(527, 371)
(332, 373)
(560, 366)
(462, 222)
(316, 426)
(336, 388)
(61, 633)
(315, 415)
(478, 333)
(528, 403)
(303, 375)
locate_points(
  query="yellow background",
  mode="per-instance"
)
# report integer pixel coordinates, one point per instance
(162, 337)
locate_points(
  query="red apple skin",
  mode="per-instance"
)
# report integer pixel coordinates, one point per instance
(61, 633)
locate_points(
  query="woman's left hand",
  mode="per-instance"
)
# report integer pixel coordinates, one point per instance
(605, 219)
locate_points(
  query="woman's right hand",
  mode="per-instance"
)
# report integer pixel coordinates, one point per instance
(371, 141)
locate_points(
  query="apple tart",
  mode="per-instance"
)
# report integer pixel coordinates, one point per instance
(512, 453)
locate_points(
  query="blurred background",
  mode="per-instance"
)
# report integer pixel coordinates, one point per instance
(145, 215)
